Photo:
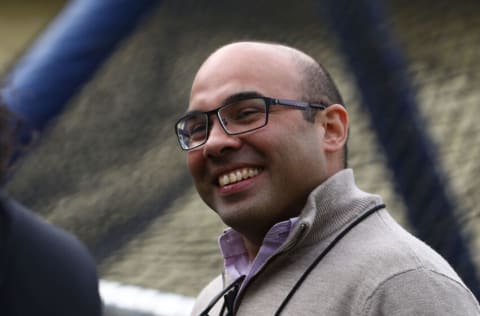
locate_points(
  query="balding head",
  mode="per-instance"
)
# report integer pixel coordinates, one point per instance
(314, 82)
(268, 49)
(246, 63)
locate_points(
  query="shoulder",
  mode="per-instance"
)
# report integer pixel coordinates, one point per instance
(403, 275)
(385, 247)
(421, 291)
(207, 294)
(30, 235)
(48, 264)
(389, 250)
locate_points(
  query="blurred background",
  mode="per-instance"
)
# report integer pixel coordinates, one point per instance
(104, 163)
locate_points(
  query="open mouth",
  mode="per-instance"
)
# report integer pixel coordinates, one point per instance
(237, 175)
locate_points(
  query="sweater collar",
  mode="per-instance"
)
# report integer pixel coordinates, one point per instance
(329, 207)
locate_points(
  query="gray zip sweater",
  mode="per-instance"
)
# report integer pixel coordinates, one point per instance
(377, 268)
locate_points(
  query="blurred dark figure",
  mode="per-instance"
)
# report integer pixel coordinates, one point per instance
(44, 271)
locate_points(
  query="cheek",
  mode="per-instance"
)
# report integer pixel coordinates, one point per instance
(195, 164)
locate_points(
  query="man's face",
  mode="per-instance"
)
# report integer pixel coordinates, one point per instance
(278, 165)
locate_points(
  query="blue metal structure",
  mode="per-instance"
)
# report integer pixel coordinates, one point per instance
(66, 55)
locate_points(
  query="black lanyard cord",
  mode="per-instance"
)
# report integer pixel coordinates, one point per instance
(324, 253)
(230, 292)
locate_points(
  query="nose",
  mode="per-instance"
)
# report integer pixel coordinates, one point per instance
(219, 142)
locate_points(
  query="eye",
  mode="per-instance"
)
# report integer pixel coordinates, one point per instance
(246, 111)
(194, 127)
(197, 130)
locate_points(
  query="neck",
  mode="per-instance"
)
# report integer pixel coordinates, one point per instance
(252, 246)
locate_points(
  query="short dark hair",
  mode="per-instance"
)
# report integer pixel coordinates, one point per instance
(8, 127)
(318, 84)
(318, 87)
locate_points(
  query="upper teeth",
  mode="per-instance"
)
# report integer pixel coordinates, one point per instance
(237, 175)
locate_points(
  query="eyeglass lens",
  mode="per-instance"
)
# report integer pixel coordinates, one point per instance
(238, 117)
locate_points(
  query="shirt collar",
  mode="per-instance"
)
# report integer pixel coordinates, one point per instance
(236, 261)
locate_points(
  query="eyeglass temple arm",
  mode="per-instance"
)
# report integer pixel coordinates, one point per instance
(298, 104)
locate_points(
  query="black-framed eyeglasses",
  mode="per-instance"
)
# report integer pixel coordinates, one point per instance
(238, 117)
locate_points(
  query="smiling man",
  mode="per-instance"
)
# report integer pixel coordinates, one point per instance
(265, 135)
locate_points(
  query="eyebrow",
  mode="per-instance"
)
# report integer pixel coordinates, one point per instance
(242, 96)
(234, 98)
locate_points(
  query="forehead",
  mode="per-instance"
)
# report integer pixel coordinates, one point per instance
(266, 70)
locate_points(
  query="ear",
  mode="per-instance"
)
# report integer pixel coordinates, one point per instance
(335, 123)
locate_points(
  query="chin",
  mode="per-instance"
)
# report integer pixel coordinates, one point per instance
(234, 218)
